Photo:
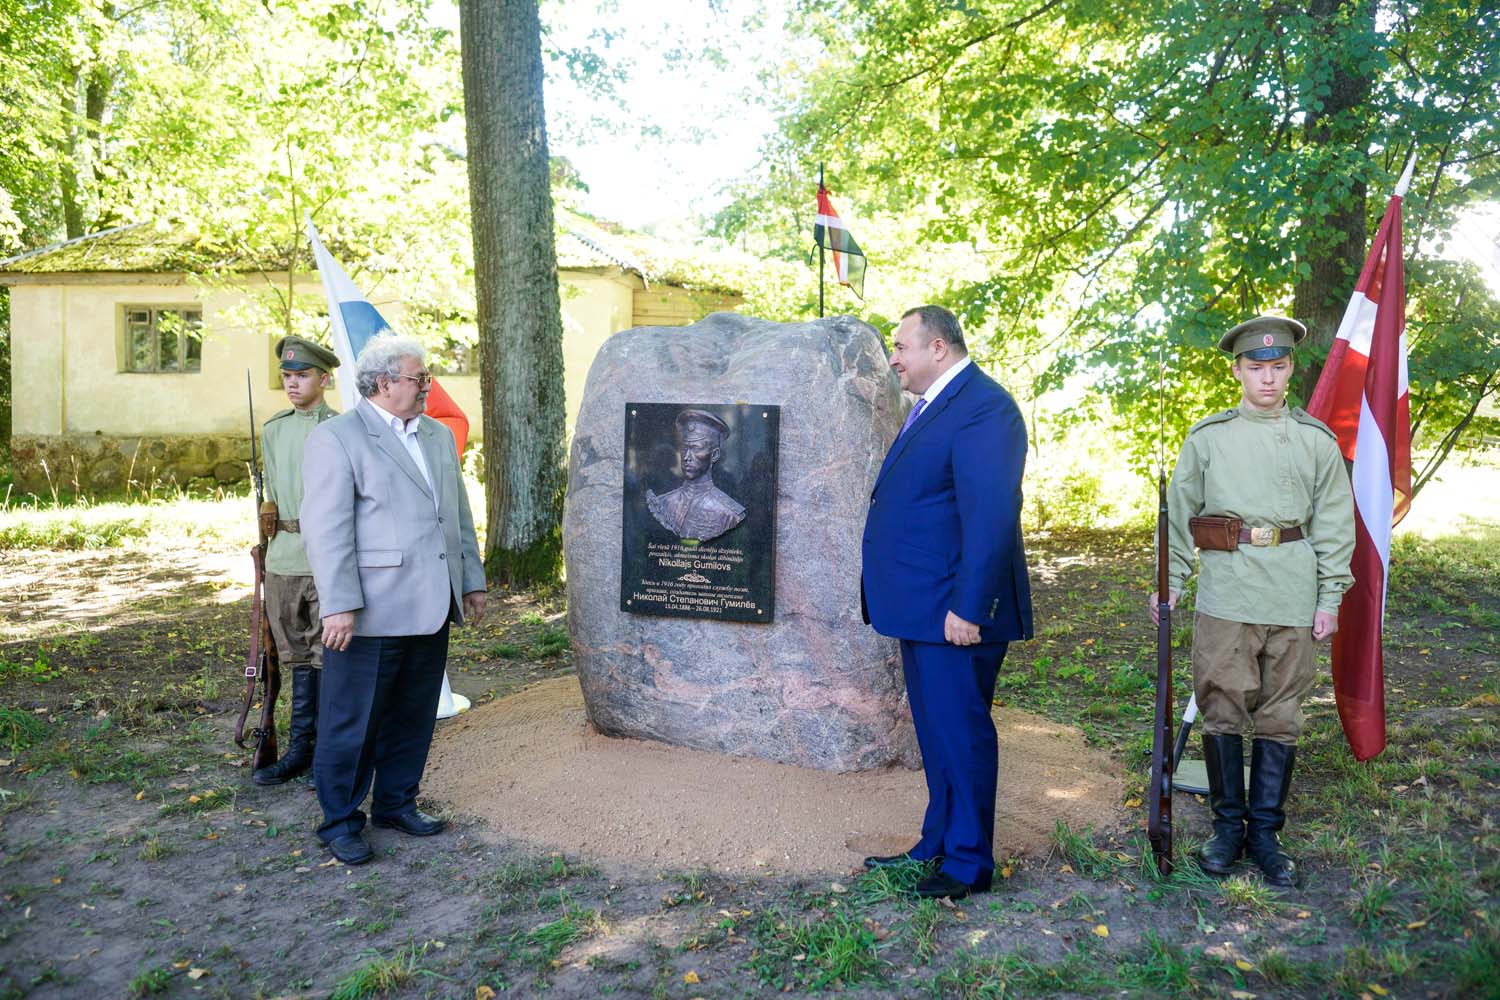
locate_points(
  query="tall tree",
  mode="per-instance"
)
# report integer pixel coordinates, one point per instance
(515, 283)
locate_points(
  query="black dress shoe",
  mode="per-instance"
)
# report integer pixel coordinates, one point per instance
(941, 885)
(416, 823)
(351, 849)
(897, 860)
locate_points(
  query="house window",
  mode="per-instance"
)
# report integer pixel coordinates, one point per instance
(163, 339)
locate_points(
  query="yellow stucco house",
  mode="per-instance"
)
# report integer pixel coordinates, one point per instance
(127, 368)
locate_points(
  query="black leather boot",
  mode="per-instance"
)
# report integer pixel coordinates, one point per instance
(1270, 781)
(1225, 760)
(302, 731)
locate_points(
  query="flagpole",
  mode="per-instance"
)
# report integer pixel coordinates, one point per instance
(820, 251)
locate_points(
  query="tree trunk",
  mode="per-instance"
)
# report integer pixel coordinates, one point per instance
(515, 281)
(72, 161)
(1335, 247)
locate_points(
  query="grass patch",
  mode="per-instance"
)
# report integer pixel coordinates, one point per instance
(1077, 848)
(20, 729)
(150, 982)
(552, 641)
(892, 882)
(155, 849)
(540, 946)
(71, 531)
(206, 801)
(830, 949)
(378, 976)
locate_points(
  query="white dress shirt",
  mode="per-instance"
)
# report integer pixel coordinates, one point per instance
(406, 433)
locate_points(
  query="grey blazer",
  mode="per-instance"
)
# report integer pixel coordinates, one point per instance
(377, 544)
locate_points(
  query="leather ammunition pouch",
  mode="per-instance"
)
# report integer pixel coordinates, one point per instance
(1217, 533)
(268, 518)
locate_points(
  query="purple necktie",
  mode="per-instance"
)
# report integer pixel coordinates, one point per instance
(911, 417)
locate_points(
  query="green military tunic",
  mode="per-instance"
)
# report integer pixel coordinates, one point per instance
(283, 437)
(1281, 470)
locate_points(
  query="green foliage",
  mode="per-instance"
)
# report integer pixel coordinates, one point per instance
(830, 948)
(19, 728)
(378, 976)
(1125, 181)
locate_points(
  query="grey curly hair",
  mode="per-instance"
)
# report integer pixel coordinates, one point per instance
(382, 357)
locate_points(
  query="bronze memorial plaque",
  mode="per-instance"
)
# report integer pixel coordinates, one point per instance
(699, 515)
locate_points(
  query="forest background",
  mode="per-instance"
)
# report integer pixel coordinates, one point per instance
(1097, 191)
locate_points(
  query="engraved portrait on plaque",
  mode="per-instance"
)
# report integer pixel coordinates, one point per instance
(699, 510)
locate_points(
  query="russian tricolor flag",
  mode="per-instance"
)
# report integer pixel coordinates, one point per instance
(353, 321)
(1362, 395)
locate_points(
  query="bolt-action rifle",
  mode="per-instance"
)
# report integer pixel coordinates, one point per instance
(262, 669)
(1159, 795)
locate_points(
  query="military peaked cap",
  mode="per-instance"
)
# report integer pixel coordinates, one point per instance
(1264, 338)
(298, 354)
(687, 418)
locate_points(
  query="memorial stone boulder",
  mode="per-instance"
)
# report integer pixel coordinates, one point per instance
(798, 678)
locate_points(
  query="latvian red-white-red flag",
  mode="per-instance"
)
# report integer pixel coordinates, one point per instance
(1362, 396)
(848, 259)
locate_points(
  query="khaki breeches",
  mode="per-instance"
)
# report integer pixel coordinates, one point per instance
(292, 613)
(1252, 676)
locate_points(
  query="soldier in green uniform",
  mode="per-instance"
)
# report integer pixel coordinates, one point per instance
(291, 600)
(1263, 494)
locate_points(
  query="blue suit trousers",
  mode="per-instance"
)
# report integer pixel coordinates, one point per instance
(377, 707)
(951, 689)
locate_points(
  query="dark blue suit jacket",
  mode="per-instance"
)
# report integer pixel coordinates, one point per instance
(944, 527)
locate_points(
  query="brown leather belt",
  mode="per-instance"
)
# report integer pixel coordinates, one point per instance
(1261, 537)
(295, 526)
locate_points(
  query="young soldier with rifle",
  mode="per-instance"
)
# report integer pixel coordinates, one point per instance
(1261, 491)
(291, 599)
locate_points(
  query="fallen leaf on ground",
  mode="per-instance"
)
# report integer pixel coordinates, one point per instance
(483, 992)
(1416, 925)
(1132, 803)
(1243, 965)
(197, 973)
(1066, 868)
(1378, 990)
(1101, 930)
(690, 977)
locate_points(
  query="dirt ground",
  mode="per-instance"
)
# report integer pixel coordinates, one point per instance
(531, 766)
(137, 859)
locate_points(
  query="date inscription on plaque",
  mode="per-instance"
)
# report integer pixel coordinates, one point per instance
(699, 513)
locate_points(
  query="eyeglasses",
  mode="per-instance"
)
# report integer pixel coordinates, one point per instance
(423, 380)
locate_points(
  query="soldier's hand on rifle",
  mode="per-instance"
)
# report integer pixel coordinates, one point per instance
(473, 606)
(1156, 610)
(1324, 625)
(338, 629)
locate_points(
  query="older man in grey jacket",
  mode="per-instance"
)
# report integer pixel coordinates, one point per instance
(388, 531)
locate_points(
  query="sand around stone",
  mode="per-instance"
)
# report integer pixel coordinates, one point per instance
(531, 767)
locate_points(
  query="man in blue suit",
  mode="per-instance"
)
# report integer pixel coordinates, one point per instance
(945, 572)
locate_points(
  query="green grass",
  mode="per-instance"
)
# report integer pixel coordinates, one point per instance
(552, 641)
(540, 946)
(206, 801)
(831, 948)
(20, 729)
(150, 982)
(1077, 848)
(378, 976)
(895, 882)
(71, 532)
